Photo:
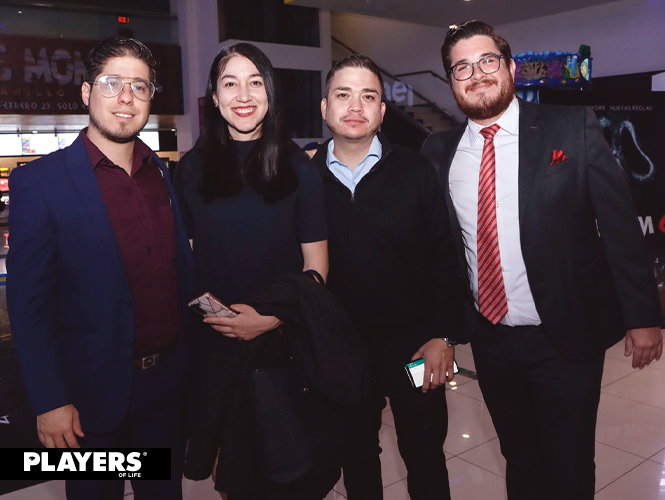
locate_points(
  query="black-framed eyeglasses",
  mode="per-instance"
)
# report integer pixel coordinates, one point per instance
(111, 86)
(488, 64)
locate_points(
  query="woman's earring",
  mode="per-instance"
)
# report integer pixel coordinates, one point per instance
(216, 105)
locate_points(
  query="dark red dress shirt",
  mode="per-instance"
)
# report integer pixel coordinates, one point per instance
(139, 208)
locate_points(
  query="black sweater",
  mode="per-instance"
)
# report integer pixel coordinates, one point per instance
(392, 258)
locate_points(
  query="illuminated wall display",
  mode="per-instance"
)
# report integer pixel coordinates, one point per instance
(44, 143)
(38, 144)
(10, 145)
(43, 76)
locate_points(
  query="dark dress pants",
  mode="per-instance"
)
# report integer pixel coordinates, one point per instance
(421, 424)
(544, 409)
(155, 419)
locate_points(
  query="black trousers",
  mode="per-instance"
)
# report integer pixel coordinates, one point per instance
(544, 409)
(155, 419)
(421, 424)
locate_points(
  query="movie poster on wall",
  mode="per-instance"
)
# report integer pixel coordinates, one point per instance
(43, 76)
(634, 126)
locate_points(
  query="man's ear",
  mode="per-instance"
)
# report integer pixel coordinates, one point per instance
(512, 68)
(85, 94)
(324, 108)
(383, 110)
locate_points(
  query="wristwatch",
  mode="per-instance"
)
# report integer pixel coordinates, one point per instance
(450, 342)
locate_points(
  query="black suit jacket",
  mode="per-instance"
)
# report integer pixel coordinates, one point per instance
(585, 255)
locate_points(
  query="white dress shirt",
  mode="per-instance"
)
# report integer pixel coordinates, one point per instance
(463, 178)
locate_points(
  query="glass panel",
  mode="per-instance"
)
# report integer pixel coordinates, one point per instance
(268, 21)
(78, 24)
(163, 6)
(299, 89)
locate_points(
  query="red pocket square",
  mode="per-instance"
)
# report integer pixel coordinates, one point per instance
(557, 157)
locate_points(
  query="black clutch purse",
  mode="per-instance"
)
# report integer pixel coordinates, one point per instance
(298, 431)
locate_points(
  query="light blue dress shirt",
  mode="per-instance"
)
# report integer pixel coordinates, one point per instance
(350, 178)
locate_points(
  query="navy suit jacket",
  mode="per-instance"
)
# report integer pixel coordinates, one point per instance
(69, 303)
(585, 255)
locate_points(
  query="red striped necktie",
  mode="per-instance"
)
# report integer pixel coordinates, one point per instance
(491, 291)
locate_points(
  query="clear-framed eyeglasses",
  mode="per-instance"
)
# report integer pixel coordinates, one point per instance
(111, 86)
(488, 64)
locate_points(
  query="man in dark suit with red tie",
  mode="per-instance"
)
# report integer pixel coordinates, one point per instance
(557, 266)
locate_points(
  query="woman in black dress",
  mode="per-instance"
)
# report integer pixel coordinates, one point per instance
(253, 207)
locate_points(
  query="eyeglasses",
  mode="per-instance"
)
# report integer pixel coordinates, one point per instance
(488, 65)
(111, 86)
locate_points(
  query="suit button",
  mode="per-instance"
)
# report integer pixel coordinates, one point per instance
(127, 302)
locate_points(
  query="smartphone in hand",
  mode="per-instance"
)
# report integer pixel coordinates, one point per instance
(207, 305)
(416, 372)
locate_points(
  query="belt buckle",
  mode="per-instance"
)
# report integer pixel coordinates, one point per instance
(149, 361)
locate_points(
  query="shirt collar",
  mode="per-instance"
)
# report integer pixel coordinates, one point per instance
(141, 150)
(509, 122)
(374, 150)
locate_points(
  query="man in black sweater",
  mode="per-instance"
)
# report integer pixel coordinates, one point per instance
(393, 266)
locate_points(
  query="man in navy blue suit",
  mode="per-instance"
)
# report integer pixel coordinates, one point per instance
(97, 285)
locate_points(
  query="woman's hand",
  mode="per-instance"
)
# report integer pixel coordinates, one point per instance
(247, 325)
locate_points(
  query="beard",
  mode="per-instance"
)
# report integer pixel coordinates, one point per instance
(485, 107)
(122, 135)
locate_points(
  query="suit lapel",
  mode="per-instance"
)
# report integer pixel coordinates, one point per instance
(184, 258)
(447, 155)
(84, 181)
(449, 150)
(531, 130)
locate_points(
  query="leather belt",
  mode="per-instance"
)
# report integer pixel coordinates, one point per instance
(156, 357)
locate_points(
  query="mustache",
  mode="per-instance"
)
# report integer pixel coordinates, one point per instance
(482, 82)
(353, 117)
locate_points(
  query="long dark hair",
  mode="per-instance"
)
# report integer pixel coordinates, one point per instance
(268, 169)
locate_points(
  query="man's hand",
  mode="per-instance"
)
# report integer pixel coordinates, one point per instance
(247, 325)
(645, 344)
(438, 361)
(58, 428)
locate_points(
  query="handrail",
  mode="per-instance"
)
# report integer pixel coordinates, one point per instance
(395, 77)
(433, 73)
